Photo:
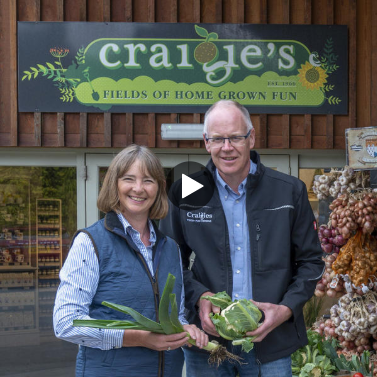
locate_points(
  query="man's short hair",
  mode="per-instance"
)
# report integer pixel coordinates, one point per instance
(228, 103)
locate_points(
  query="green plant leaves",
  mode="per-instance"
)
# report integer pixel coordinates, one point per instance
(139, 318)
(220, 299)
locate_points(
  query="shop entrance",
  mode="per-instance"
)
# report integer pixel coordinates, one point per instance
(97, 164)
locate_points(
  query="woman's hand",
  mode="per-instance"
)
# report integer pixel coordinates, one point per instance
(200, 337)
(157, 342)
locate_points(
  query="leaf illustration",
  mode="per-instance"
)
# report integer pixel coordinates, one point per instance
(23, 78)
(50, 65)
(212, 36)
(201, 31)
(334, 100)
(327, 88)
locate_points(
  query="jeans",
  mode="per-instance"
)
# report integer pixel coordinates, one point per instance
(197, 365)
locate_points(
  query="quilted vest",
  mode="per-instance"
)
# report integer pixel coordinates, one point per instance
(125, 280)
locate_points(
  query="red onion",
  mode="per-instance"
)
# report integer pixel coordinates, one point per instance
(327, 248)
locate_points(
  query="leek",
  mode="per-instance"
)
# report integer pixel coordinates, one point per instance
(169, 323)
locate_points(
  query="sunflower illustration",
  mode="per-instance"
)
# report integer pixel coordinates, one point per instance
(312, 77)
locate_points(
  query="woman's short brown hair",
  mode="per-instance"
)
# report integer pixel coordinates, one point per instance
(108, 198)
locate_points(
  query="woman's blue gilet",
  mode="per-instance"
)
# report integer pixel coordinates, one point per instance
(125, 280)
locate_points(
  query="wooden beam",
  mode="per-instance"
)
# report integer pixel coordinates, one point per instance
(129, 128)
(307, 131)
(106, 11)
(285, 128)
(151, 11)
(196, 10)
(83, 129)
(329, 131)
(286, 119)
(263, 134)
(330, 117)
(37, 129)
(373, 64)
(352, 69)
(60, 125)
(173, 11)
(13, 73)
(107, 129)
(263, 19)
(128, 11)
(151, 130)
(151, 16)
(308, 117)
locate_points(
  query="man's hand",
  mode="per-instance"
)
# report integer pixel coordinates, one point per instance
(274, 316)
(205, 308)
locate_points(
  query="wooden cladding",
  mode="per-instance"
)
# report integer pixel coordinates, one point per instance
(118, 130)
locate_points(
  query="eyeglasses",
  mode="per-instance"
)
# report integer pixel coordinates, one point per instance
(218, 142)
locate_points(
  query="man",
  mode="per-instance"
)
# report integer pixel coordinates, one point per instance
(258, 242)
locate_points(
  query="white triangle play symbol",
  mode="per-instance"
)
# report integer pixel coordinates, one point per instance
(189, 186)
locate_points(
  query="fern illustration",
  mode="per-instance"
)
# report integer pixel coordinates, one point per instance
(327, 88)
(328, 58)
(333, 100)
(80, 56)
(67, 94)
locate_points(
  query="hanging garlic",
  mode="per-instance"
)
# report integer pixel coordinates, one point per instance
(323, 179)
(343, 180)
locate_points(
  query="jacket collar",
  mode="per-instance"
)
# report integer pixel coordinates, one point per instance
(113, 225)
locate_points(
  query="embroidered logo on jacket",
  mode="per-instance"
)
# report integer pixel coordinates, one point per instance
(199, 217)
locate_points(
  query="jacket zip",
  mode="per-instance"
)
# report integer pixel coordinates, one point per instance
(156, 294)
(259, 257)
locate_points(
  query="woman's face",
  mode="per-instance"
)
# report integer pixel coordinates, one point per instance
(137, 192)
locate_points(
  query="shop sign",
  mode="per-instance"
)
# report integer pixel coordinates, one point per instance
(361, 146)
(140, 67)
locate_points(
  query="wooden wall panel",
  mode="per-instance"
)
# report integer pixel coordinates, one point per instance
(118, 130)
(8, 69)
(373, 65)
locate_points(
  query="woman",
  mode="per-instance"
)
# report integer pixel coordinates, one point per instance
(124, 259)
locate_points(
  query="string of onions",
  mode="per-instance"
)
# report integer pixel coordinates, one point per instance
(354, 210)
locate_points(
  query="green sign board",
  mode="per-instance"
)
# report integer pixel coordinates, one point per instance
(137, 67)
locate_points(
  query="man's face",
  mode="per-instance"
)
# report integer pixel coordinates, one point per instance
(232, 162)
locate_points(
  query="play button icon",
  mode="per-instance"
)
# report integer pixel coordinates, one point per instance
(190, 185)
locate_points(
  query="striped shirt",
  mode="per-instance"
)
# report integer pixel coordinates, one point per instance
(78, 285)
